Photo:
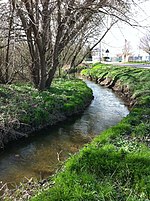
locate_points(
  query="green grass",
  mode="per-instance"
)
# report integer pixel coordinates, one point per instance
(116, 165)
(138, 62)
(24, 108)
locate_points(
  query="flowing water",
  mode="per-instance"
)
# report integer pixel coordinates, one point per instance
(40, 155)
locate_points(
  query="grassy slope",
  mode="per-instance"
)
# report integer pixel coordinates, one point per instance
(24, 109)
(116, 165)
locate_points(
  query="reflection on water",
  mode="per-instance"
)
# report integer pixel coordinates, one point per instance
(40, 155)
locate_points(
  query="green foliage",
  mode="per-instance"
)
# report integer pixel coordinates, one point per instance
(102, 173)
(116, 165)
(24, 105)
(138, 80)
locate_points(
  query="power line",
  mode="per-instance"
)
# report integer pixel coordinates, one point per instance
(116, 47)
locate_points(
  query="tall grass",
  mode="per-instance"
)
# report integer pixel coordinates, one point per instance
(24, 109)
(116, 165)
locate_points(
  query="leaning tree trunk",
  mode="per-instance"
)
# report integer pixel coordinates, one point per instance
(51, 73)
(42, 83)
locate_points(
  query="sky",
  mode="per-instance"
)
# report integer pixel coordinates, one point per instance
(115, 39)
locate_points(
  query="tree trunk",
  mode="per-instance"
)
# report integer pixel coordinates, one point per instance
(35, 73)
(42, 83)
(52, 73)
(8, 44)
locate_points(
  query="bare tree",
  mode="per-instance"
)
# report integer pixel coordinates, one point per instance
(126, 50)
(145, 44)
(86, 40)
(5, 40)
(10, 33)
(50, 25)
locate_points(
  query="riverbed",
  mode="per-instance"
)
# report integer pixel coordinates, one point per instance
(42, 154)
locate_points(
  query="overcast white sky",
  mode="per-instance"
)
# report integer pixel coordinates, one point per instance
(115, 39)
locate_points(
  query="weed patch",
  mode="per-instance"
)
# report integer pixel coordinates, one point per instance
(24, 109)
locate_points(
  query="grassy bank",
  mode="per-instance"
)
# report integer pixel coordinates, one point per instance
(116, 165)
(138, 62)
(24, 109)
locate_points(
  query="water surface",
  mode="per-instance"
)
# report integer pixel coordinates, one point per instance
(40, 156)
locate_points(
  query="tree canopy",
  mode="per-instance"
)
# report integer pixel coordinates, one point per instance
(48, 27)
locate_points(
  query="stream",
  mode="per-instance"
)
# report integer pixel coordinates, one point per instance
(40, 155)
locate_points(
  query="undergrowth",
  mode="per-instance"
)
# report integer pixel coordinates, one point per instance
(25, 109)
(115, 166)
